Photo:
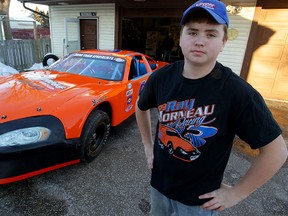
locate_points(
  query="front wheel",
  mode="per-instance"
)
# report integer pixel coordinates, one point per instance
(94, 135)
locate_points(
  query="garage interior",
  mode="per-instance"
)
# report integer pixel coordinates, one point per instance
(143, 27)
(147, 35)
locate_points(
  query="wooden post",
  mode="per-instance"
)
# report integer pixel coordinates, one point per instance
(1, 28)
(37, 50)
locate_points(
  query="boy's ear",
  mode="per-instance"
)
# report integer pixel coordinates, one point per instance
(224, 43)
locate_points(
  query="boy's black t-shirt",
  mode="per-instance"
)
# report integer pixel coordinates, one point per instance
(198, 120)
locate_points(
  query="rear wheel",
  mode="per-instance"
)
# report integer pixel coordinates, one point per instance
(94, 135)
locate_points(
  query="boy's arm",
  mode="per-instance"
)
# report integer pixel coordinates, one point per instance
(144, 123)
(268, 162)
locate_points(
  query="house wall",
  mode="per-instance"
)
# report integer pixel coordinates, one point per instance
(234, 51)
(104, 12)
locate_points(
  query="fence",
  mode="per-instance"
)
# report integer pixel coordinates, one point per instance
(22, 54)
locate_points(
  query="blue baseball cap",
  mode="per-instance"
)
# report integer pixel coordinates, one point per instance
(215, 8)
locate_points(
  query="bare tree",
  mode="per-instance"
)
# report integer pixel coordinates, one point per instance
(4, 11)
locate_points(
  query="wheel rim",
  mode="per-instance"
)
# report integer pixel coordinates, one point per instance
(96, 139)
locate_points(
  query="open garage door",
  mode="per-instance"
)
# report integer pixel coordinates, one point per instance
(268, 71)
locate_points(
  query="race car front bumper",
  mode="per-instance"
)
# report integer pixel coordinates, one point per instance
(23, 161)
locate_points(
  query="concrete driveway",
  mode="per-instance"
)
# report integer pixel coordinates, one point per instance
(117, 183)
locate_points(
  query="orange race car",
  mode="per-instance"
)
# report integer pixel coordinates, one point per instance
(62, 115)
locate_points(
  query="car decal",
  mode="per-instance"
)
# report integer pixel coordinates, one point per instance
(129, 100)
(97, 101)
(117, 59)
(128, 108)
(129, 92)
(54, 84)
(141, 87)
(31, 84)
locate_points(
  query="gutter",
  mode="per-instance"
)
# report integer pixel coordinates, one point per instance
(43, 15)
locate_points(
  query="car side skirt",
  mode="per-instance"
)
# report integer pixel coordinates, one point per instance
(38, 172)
(28, 163)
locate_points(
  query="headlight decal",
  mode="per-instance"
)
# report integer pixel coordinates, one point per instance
(30, 133)
(24, 136)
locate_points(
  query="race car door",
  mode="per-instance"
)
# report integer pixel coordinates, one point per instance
(72, 41)
(137, 79)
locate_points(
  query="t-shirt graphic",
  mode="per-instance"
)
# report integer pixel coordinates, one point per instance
(183, 129)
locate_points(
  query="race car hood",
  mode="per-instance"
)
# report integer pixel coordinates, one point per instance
(25, 94)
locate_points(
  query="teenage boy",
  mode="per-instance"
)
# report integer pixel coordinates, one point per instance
(201, 106)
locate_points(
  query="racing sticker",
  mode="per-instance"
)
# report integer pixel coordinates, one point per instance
(129, 92)
(43, 84)
(141, 87)
(98, 101)
(105, 57)
(129, 86)
(129, 108)
(129, 103)
(53, 84)
(129, 100)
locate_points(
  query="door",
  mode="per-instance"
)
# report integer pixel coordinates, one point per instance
(138, 74)
(72, 42)
(268, 72)
(89, 33)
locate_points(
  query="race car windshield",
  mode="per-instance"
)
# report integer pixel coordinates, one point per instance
(97, 66)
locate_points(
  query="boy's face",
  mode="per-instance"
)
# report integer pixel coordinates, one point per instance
(202, 42)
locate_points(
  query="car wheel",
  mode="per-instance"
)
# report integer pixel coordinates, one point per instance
(94, 135)
(48, 57)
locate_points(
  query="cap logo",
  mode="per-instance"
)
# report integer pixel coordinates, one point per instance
(206, 5)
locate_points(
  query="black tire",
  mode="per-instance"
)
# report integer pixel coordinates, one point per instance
(94, 135)
(47, 57)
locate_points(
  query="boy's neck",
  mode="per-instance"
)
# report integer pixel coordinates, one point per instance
(196, 71)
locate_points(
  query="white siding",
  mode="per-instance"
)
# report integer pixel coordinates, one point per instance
(234, 51)
(106, 17)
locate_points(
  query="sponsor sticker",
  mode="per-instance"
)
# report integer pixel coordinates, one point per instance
(129, 92)
(129, 86)
(129, 100)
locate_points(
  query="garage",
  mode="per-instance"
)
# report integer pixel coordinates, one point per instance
(147, 35)
(265, 65)
(268, 71)
(144, 27)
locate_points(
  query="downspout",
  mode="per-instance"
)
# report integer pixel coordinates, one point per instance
(43, 15)
(35, 32)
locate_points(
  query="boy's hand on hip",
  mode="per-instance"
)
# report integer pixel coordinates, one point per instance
(222, 198)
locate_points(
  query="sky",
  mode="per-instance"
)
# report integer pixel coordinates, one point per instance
(17, 10)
